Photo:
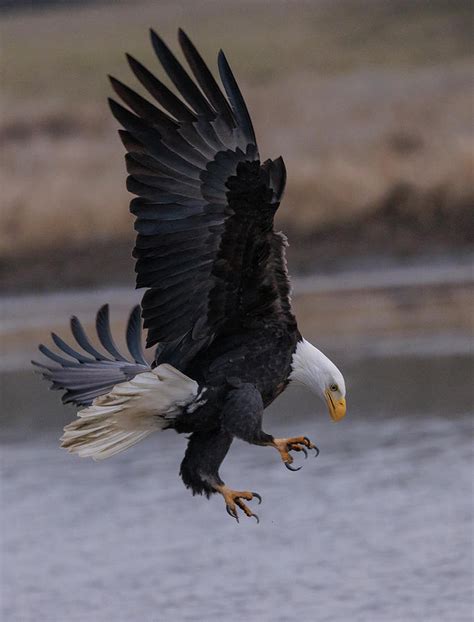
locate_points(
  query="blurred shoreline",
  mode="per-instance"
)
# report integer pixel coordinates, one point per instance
(422, 309)
(389, 243)
(368, 101)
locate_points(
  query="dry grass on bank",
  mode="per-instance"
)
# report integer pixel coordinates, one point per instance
(359, 97)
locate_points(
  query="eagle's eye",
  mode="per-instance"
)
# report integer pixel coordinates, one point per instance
(334, 387)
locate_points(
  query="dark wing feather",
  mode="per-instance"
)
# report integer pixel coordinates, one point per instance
(161, 93)
(205, 79)
(205, 205)
(82, 339)
(134, 337)
(102, 325)
(237, 101)
(186, 87)
(83, 379)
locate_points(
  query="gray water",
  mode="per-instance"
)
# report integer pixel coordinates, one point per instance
(378, 528)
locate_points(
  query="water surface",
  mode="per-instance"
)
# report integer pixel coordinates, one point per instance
(378, 528)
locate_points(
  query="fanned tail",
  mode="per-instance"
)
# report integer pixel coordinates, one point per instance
(129, 413)
(125, 400)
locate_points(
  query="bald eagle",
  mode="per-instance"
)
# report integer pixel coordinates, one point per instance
(217, 303)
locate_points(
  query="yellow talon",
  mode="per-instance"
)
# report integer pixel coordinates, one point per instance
(233, 500)
(297, 443)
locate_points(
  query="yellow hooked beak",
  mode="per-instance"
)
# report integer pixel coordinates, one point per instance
(337, 408)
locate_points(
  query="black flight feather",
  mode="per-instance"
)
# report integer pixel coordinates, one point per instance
(133, 336)
(142, 107)
(180, 78)
(82, 339)
(205, 79)
(55, 357)
(85, 379)
(160, 169)
(102, 324)
(238, 103)
(195, 171)
(62, 345)
(131, 144)
(161, 93)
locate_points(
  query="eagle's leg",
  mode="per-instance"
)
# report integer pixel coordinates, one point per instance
(200, 470)
(242, 417)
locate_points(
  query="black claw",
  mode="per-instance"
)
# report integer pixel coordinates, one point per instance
(311, 446)
(256, 517)
(258, 497)
(291, 468)
(232, 512)
(305, 453)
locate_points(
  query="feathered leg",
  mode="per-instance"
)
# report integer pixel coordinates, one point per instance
(200, 470)
(242, 417)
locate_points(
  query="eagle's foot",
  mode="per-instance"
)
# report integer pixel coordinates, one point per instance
(233, 500)
(298, 443)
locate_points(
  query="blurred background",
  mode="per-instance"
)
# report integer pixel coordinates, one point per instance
(370, 103)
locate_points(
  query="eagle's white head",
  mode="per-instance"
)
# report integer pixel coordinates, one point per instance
(313, 369)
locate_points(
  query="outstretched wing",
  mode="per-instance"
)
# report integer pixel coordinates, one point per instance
(205, 206)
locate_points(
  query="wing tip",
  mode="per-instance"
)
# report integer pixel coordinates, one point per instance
(114, 107)
(221, 58)
(184, 39)
(134, 64)
(156, 41)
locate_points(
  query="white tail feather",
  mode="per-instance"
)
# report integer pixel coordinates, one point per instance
(129, 412)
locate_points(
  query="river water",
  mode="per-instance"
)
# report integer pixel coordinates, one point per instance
(377, 528)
